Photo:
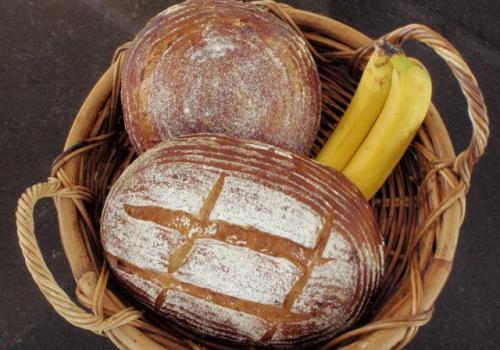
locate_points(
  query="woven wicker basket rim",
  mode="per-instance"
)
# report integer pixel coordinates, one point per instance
(445, 185)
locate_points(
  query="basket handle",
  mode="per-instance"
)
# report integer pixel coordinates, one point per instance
(56, 296)
(477, 111)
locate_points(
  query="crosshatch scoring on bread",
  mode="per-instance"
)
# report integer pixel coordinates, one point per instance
(243, 241)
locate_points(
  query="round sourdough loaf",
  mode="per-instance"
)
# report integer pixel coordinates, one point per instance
(220, 66)
(243, 241)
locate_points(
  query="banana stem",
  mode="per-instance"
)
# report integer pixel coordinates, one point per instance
(389, 48)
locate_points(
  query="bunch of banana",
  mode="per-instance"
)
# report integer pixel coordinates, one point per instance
(390, 104)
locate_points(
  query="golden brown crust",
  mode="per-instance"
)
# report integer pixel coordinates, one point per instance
(223, 67)
(243, 241)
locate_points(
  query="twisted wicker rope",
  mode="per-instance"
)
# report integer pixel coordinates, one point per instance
(57, 297)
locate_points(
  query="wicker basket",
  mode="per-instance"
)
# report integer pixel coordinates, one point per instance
(419, 210)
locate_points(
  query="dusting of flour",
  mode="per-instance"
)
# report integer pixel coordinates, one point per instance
(239, 272)
(249, 204)
(213, 319)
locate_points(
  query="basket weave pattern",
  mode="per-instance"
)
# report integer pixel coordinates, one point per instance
(419, 209)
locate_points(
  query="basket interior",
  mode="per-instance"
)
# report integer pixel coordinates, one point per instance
(398, 206)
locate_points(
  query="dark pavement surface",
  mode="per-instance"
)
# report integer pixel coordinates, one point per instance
(53, 51)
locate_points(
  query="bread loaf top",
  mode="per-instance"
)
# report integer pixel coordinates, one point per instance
(224, 67)
(243, 241)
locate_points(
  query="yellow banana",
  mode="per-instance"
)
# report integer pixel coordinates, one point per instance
(404, 111)
(361, 113)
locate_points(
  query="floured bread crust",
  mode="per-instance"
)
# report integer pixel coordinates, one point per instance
(243, 241)
(220, 66)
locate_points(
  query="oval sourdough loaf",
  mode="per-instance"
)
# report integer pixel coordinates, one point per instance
(243, 241)
(220, 66)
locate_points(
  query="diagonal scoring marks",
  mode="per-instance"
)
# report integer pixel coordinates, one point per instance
(299, 286)
(213, 195)
(160, 299)
(321, 242)
(260, 310)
